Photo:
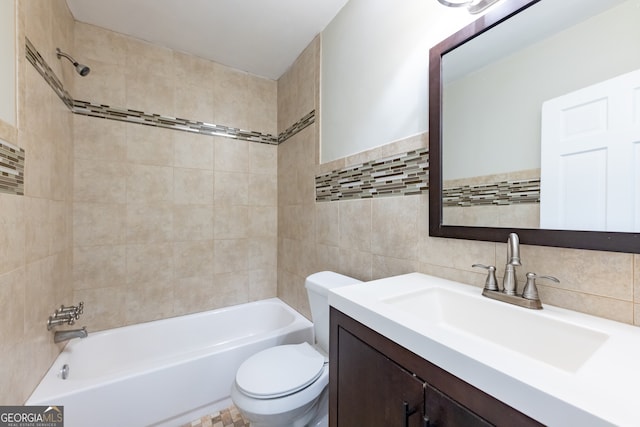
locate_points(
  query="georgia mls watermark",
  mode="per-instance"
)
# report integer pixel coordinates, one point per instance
(31, 416)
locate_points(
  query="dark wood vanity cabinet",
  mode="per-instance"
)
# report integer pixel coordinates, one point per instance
(375, 382)
(373, 390)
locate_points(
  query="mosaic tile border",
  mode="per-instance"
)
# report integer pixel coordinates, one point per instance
(408, 174)
(499, 193)
(301, 124)
(12, 161)
(132, 116)
(402, 174)
(150, 119)
(34, 57)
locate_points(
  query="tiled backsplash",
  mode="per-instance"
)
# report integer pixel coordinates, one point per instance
(398, 175)
(407, 174)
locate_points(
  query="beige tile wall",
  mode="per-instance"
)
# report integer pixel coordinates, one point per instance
(35, 229)
(376, 238)
(166, 222)
(139, 222)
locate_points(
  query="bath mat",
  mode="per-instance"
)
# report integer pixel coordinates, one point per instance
(229, 417)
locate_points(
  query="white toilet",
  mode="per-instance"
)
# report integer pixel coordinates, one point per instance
(286, 385)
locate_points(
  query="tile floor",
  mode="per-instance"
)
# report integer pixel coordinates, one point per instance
(229, 417)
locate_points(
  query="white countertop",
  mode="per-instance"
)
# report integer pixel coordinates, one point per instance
(603, 390)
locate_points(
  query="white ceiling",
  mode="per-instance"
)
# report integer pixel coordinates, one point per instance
(262, 37)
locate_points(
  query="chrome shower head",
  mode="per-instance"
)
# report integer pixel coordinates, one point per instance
(82, 69)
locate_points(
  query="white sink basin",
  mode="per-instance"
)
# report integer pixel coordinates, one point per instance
(558, 366)
(552, 341)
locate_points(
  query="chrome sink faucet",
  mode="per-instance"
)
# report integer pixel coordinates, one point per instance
(510, 281)
(509, 293)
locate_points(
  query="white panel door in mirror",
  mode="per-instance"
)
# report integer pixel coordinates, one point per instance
(584, 134)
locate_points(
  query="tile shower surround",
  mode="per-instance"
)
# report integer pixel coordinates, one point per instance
(150, 119)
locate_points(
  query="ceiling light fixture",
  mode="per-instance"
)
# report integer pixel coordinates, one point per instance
(473, 6)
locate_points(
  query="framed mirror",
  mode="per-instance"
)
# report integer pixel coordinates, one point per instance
(509, 89)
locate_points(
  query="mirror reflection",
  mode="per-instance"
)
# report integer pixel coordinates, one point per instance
(541, 120)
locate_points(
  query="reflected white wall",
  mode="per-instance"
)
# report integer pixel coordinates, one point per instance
(375, 73)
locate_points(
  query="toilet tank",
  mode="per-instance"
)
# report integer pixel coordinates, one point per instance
(318, 285)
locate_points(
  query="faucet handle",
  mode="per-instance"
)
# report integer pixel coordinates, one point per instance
(490, 284)
(58, 319)
(74, 310)
(79, 309)
(530, 290)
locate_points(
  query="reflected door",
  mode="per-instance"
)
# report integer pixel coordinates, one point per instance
(590, 158)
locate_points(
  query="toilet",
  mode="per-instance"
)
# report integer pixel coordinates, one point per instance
(286, 385)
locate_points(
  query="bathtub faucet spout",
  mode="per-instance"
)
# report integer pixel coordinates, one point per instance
(60, 336)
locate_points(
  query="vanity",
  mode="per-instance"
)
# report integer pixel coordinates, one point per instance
(378, 382)
(418, 350)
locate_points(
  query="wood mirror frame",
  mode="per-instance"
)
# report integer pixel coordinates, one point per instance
(593, 240)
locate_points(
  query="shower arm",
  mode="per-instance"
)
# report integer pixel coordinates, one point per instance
(60, 53)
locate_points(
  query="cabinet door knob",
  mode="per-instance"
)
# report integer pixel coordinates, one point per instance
(425, 421)
(407, 413)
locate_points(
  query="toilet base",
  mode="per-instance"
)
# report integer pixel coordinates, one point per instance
(321, 419)
(316, 414)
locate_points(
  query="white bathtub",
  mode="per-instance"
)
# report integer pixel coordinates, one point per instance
(167, 372)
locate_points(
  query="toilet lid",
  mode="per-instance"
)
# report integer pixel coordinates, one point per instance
(279, 371)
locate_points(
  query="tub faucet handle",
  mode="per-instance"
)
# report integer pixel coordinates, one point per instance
(74, 310)
(58, 319)
(78, 310)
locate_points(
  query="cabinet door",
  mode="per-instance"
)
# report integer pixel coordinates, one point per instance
(443, 411)
(373, 390)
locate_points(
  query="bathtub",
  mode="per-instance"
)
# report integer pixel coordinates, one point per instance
(168, 372)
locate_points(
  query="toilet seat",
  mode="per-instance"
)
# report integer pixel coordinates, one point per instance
(279, 371)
